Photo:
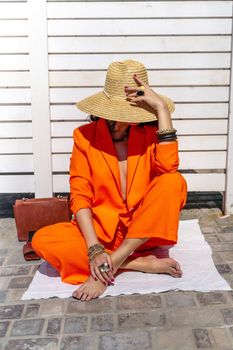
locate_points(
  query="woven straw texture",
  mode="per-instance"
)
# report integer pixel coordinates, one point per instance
(111, 103)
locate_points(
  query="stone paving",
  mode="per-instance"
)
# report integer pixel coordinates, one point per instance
(167, 321)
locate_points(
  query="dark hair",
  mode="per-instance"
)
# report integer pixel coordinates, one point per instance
(93, 118)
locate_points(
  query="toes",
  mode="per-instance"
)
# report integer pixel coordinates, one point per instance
(84, 296)
(77, 294)
(90, 297)
(174, 272)
(177, 266)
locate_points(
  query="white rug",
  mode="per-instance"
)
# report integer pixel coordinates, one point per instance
(192, 252)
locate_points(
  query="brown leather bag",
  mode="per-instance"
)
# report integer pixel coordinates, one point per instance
(35, 213)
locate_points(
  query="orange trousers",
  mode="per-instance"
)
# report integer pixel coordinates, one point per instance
(156, 217)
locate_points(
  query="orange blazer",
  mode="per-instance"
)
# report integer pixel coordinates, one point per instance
(95, 176)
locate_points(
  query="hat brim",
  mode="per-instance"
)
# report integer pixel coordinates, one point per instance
(118, 108)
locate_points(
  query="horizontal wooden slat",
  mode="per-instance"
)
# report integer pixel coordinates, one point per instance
(205, 182)
(186, 143)
(12, 27)
(15, 95)
(14, 62)
(14, 45)
(184, 127)
(156, 77)
(64, 129)
(186, 111)
(202, 160)
(12, 112)
(201, 127)
(178, 94)
(15, 130)
(17, 183)
(13, 10)
(202, 142)
(196, 182)
(13, 1)
(16, 163)
(142, 44)
(141, 9)
(188, 160)
(62, 145)
(14, 79)
(194, 26)
(155, 61)
(8, 146)
(201, 110)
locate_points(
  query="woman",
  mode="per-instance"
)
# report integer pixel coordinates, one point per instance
(125, 191)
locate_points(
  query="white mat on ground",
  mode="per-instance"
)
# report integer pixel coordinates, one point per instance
(192, 252)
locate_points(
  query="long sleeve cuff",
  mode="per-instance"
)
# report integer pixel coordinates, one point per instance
(166, 157)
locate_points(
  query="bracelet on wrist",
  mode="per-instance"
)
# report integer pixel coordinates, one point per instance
(94, 250)
(166, 131)
(168, 136)
(167, 140)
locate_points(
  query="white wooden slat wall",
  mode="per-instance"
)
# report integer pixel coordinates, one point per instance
(16, 151)
(186, 46)
(188, 58)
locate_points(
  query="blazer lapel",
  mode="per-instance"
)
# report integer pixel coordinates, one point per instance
(135, 150)
(105, 145)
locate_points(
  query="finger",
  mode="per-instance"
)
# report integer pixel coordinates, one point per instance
(139, 81)
(99, 275)
(93, 273)
(129, 89)
(133, 94)
(135, 99)
(106, 277)
(109, 259)
(110, 272)
(110, 276)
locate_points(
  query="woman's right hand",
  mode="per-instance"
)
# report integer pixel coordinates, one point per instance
(96, 262)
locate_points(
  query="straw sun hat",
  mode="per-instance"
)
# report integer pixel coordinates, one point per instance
(111, 103)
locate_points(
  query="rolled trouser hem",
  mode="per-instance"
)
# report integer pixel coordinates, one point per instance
(153, 242)
(75, 279)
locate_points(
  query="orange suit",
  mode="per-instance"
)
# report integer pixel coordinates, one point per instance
(155, 194)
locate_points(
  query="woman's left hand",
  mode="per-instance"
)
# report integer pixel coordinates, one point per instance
(150, 100)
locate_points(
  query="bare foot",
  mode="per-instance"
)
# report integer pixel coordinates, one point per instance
(151, 264)
(90, 289)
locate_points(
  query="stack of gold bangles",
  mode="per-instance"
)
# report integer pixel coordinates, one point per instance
(95, 250)
(167, 135)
